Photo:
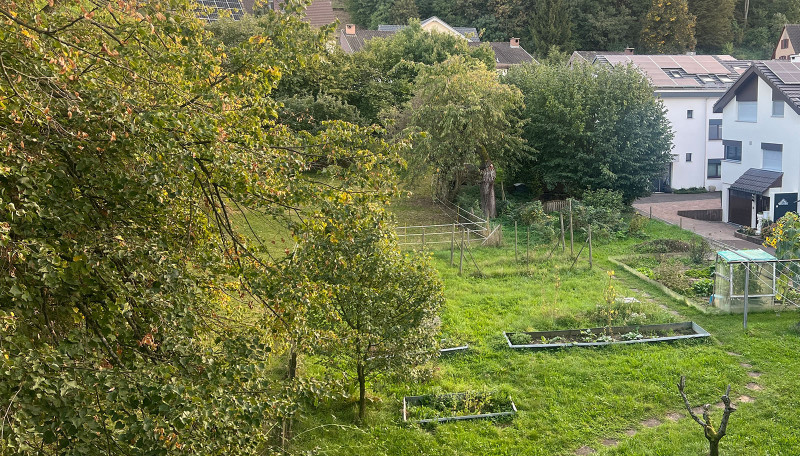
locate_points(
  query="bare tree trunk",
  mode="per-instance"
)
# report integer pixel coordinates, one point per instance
(362, 390)
(488, 174)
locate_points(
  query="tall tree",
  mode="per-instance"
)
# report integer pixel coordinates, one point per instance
(550, 25)
(592, 127)
(669, 28)
(470, 120)
(714, 22)
(403, 10)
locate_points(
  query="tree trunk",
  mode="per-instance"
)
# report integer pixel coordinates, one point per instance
(362, 391)
(713, 448)
(292, 373)
(488, 174)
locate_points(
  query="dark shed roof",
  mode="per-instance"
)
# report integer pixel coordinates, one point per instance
(505, 55)
(757, 181)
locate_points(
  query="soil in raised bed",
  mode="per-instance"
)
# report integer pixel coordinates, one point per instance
(452, 405)
(596, 336)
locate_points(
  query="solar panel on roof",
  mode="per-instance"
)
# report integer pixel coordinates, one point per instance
(213, 7)
(788, 72)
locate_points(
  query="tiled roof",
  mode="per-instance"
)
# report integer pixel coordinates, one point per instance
(319, 13)
(695, 72)
(470, 33)
(793, 30)
(589, 56)
(505, 55)
(776, 73)
(355, 42)
(757, 181)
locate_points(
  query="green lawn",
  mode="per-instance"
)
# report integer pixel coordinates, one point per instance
(574, 397)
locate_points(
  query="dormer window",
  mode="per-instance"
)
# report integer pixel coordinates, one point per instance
(724, 79)
(675, 73)
(706, 78)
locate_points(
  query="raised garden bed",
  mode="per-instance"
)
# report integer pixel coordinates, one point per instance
(453, 350)
(597, 337)
(441, 408)
(747, 237)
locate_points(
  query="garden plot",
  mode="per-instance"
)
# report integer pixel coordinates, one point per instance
(608, 335)
(440, 408)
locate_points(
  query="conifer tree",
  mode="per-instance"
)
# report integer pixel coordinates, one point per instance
(669, 28)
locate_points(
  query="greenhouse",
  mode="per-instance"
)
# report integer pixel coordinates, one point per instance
(744, 281)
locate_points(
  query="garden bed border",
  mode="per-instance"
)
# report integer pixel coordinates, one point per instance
(410, 400)
(453, 350)
(618, 261)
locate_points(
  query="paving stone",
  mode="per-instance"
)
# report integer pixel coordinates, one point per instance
(754, 374)
(630, 432)
(610, 442)
(651, 422)
(745, 399)
(585, 450)
(719, 405)
(674, 416)
(733, 354)
(697, 410)
(746, 365)
(754, 386)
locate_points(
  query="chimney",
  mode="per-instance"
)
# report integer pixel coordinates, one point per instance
(350, 29)
(629, 51)
(514, 43)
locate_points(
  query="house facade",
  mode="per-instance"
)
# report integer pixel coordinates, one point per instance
(507, 53)
(761, 163)
(689, 85)
(788, 47)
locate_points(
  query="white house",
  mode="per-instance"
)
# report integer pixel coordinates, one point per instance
(761, 166)
(689, 85)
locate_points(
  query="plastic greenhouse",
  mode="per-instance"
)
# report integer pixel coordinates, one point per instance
(744, 280)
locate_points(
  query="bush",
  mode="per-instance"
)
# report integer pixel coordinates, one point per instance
(647, 272)
(621, 312)
(703, 287)
(663, 246)
(700, 273)
(691, 190)
(532, 214)
(669, 273)
(637, 224)
(698, 250)
(602, 209)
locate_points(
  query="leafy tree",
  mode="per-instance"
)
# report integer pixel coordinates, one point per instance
(604, 25)
(308, 113)
(468, 117)
(669, 28)
(403, 10)
(382, 305)
(138, 316)
(550, 25)
(714, 22)
(592, 127)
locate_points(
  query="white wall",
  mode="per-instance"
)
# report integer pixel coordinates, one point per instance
(691, 136)
(767, 129)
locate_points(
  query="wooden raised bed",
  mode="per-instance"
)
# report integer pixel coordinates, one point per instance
(575, 337)
(410, 401)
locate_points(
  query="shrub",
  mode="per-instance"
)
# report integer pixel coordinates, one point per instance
(621, 313)
(532, 214)
(637, 224)
(698, 250)
(703, 287)
(645, 271)
(602, 209)
(700, 273)
(663, 246)
(669, 273)
(519, 338)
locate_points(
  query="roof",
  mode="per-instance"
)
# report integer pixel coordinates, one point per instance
(753, 255)
(589, 56)
(210, 9)
(355, 42)
(757, 181)
(505, 55)
(470, 33)
(782, 76)
(693, 72)
(319, 13)
(793, 30)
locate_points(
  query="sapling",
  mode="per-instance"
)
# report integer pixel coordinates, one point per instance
(714, 435)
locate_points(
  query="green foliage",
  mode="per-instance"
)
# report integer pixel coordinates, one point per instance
(602, 209)
(663, 246)
(549, 26)
(715, 21)
(703, 287)
(592, 127)
(637, 224)
(308, 113)
(532, 215)
(701, 273)
(467, 116)
(699, 250)
(669, 28)
(690, 190)
(460, 404)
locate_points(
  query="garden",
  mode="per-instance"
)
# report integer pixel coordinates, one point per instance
(619, 399)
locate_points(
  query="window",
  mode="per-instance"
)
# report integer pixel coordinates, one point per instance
(777, 109)
(785, 43)
(676, 157)
(706, 78)
(714, 168)
(748, 111)
(733, 150)
(688, 157)
(675, 73)
(772, 156)
(715, 129)
(689, 113)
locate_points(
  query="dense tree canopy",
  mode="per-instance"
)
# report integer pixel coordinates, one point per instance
(592, 127)
(139, 312)
(669, 28)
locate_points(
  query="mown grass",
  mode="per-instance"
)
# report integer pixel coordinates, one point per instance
(574, 397)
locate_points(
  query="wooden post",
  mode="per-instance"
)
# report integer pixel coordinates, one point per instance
(571, 234)
(468, 230)
(515, 241)
(452, 244)
(423, 238)
(528, 245)
(680, 223)
(563, 241)
(651, 212)
(590, 246)
(461, 258)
